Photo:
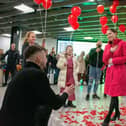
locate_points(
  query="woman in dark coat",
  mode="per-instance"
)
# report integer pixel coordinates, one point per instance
(30, 38)
(114, 57)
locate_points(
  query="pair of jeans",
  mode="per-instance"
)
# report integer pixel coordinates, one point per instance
(94, 75)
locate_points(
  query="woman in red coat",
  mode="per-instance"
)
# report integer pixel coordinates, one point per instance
(114, 57)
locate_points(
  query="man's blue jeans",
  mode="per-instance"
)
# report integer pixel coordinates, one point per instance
(94, 74)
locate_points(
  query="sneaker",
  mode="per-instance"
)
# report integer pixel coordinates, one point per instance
(96, 96)
(87, 97)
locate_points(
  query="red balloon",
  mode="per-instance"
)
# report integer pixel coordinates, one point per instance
(75, 26)
(113, 9)
(72, 19)
(114, 18)
(122, 28)
(103, 20)
(104, 29)
(100, 9)
(38, 1)
(116, 2)
(76, 11)
(47, 4)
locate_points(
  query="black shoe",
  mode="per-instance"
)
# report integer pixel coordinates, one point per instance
(87, 97)
(116, 116)
(66, 105)
(70, 104)
(96, 96)
(4, 84)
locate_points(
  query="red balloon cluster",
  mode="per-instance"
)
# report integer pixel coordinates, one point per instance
(73, 17)
(46, 3)
(100, 9)
(104, 29)
(122, 28)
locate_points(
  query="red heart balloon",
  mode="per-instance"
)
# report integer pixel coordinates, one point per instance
(76, 11)
(75, 26)
(114, 18)
(113, 9)
(103, 20)
(122, 28)
(104, 29)
(116, 2)
(72, 19)
(38, 1)
(100, 9)
(47, 4)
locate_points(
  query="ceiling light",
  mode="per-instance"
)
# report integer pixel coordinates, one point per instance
(37, 32)
(69, 29)
(24, 8)
(6, 35)
(88, 38)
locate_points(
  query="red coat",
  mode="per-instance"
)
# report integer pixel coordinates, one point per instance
(115, 81)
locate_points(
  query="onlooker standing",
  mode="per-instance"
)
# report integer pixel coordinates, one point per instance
(12, 60)
(68, 66)
(30, 89)
(95, 61)
(114, 57)
(29, 40)
(82, 67)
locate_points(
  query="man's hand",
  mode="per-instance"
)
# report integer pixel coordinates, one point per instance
(113, 49)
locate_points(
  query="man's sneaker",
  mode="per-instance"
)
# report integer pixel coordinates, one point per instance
(87, 97)
(96, 96)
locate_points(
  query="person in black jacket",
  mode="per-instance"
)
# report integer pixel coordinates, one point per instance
(28, 90)
(95, 64)
(12, 61)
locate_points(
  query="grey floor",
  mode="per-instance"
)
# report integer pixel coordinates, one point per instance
(87, 113)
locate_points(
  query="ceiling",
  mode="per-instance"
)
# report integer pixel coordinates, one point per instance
(57, 18)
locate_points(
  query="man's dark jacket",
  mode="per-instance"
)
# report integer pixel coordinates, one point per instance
(28, 90)
(12, 59)
(95, 59)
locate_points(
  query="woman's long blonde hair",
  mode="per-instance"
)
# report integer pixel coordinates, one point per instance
(27, 35)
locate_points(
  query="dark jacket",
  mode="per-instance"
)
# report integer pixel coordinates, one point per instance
(95, 59)
(12, 59)
(28, 90)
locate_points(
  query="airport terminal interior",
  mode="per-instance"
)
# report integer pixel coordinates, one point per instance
(80, 31)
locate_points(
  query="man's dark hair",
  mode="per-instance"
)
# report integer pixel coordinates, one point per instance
(31, 50)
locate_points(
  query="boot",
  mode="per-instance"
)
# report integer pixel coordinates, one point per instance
(106, 121)
(111, 108)
(87, 97)
(116, 106)
(116, 116)
(70, 104)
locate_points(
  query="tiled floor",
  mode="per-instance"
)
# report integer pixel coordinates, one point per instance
(87, 113)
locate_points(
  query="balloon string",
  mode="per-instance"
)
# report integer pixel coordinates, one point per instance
(41, 20)
(100, 29)
(71, 36)
(45, 21)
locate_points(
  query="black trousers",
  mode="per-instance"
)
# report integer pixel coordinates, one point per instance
(11, 70)
(42, 115)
